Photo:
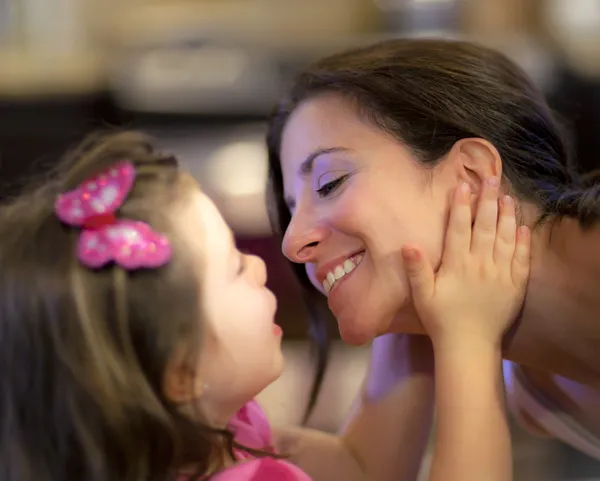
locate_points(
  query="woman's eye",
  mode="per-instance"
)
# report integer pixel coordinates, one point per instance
(330, 187)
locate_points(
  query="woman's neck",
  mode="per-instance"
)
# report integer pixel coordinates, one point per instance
(559, 326)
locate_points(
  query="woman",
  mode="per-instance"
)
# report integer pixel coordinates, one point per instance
(364, 154)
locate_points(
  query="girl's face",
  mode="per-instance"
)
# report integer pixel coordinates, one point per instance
(356, 195)
(241, 346)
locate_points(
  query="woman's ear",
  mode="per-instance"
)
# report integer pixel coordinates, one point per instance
(474, 161)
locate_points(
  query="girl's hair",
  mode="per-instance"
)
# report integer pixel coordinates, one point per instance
(84, 351)
(429, 94)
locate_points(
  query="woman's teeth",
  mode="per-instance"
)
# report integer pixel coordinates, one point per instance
(340, 271)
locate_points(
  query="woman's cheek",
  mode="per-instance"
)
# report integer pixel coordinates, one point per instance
(435, 247)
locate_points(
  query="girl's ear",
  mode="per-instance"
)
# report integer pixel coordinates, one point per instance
(181, 384)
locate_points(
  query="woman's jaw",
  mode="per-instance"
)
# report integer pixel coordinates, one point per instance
(365, 301)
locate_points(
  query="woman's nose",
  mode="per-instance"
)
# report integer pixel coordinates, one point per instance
(301, 240)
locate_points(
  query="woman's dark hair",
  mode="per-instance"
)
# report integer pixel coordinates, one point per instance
(429, 94)
(84, 351)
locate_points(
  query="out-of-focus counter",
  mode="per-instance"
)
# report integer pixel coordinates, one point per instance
(27, 74)
(71, 47)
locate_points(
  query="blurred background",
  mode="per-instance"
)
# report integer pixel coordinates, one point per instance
(201, 76)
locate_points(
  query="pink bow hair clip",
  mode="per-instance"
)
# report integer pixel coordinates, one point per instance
(93, 205)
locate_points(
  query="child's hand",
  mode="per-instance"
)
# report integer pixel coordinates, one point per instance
(481, 283)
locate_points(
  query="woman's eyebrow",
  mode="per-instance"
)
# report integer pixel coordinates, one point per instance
(306, 167)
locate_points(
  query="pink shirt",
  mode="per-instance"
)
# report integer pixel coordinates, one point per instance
(252, 429)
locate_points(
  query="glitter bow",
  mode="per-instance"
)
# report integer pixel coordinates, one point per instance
(93, 205)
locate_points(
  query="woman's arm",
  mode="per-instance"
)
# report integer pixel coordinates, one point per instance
(387, 432)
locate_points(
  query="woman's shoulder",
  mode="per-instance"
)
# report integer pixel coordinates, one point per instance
(550, 405)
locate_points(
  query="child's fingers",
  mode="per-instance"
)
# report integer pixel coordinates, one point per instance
(522, 256)
(420, 273)
(506, 233)
(483, 236)
(458, 235)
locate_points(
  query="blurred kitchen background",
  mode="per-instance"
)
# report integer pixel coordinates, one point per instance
(201, 75)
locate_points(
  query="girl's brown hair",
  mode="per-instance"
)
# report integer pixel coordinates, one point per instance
(84, 351)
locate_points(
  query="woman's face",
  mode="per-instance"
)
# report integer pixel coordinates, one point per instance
(356, 196)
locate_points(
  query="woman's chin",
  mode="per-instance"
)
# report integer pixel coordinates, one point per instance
(355, 338)
(356, 332)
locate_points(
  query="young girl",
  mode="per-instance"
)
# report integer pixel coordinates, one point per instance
(135, 336)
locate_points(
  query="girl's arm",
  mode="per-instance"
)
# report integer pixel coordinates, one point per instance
(387, 432)
(473, 437)
(466, 307)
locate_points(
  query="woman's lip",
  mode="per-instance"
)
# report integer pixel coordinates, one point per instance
(322, 271)
(345, 278)
(336, 298)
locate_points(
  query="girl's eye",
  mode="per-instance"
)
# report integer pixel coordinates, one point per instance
(330, 187)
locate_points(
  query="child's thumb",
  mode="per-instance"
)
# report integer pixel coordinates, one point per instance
(419, 272)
